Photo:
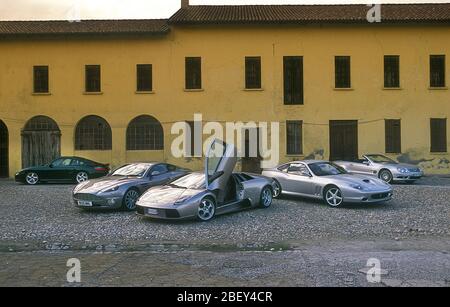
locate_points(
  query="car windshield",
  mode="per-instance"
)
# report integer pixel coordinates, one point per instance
(326, 169)
(132, 170)
(381, 159)
(192, 181)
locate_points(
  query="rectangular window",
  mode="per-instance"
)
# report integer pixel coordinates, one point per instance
(342, 72)
(253, 72)
(293, 80)
(393, 135)
(438, 135)
(294, 137)
(194, 73)
(93, 83)
(391, 71)
(437, 71)
(144, 78)
(40, 75)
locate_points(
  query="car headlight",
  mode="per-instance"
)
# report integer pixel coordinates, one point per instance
(356, 186)
(113, 189)
(181, 200)
(402, 170)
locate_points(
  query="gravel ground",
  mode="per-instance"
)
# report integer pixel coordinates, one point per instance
(45, 215)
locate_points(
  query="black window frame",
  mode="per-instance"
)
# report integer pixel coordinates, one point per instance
(342, 72)
(41, 79)
(144, 77)
(295, 149)
(393, 136)
(293, 80)
(193, 73)
(438, 135)
(392, 71)
(253, 72)
(93, 81)
(437, 71)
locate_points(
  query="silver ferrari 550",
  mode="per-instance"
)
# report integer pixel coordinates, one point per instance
(328, 181)
(204, 195)
(383, 168)
(122, 187)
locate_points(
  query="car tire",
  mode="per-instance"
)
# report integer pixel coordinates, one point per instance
(333, 196)
(81, 177)
(266, 198)
(32, 178)
(386, 176)
(129, 199)
(206, 209)
(277, 190)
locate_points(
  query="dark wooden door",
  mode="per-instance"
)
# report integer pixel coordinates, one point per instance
(343, 140)
(40, 147)
(4, 143)
(251, 162)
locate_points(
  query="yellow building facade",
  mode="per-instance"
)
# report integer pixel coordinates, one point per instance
(223, 97)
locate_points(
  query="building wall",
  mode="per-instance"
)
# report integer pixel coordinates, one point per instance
(224, 99)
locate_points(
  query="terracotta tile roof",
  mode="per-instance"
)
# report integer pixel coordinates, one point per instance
(85, 27)
(309, 14)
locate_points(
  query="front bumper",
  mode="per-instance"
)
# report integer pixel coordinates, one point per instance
(160, 213)
(100, 202)
(410, 176)
(369, 197)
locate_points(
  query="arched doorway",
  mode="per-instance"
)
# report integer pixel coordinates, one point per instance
(93, 133)
(4, 143)
(41, 141)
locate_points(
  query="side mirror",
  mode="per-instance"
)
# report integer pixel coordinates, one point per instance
(155, 173)
(50, 165)
(215, 176)
(306, 174)
(366, 162)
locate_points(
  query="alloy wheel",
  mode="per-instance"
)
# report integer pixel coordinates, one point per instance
(130, 199)
(266, 197)
(333, 197)
(82, 177)
(386, 176)
(32, 178)
(276, 189)
(206, 210)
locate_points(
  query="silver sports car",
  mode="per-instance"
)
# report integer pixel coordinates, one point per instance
(123, 187)
(383, 168)
(204, 195)
(327, 181)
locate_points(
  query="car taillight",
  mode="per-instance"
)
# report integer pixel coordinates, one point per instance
(101, 169)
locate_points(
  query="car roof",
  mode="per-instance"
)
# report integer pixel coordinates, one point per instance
(308, 161)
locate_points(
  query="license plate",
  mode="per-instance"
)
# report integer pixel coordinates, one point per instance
(152, 211)
(85, 203)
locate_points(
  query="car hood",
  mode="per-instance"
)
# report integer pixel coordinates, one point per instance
(368, 182)
(165, 196)
(97, 185)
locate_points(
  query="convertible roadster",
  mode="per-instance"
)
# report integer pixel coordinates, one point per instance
(328, 181)
(123, 187)
(383, 168)
(205, 195)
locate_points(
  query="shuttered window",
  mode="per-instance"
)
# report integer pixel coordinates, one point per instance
(293, 80)
(391, 71)
(193, 73)
(144, 78)
(342, 72)
(294, 137)
(93, 83)
(40, 75)
(393, 136)
(437, 70)
(438, 135)
(253, 72)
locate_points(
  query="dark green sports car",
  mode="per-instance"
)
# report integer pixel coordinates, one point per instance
(64, 169)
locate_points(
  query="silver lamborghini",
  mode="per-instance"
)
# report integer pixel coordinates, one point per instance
(122, 187)
(327, 181)
(204, 195)
(384, 168)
